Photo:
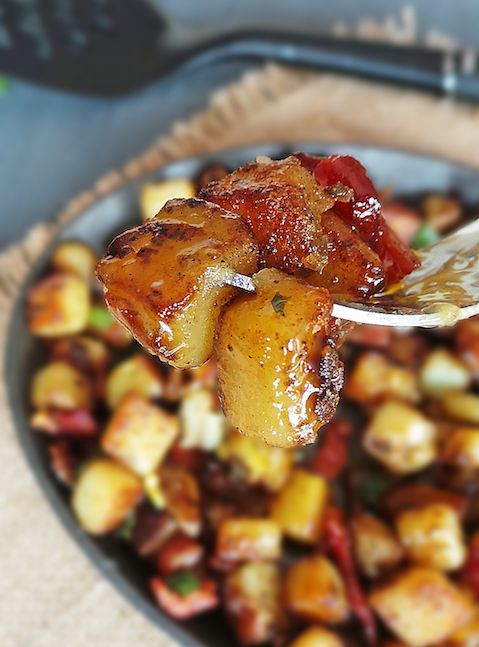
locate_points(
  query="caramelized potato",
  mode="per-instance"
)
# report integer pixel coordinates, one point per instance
(317, 637)
(139, 434)
(155, 195)
(59, 385)
(400, 438)
(58, 305)
(84, 353)
(374, 378)
(252, 602)
(75, 257)
(443, 372)
(466, 636)
(263, 465)
(421, 606)
(182, 496)
(460, 448)
(246, 539)
(103, 496)
(376, 548)
(299, 507)
(279, 376)
(432, 536)
(461, 406)
(201, 426)
(282, 203)
(137, 374)
(314, 591)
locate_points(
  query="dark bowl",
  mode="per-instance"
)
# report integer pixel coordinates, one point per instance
(406, 173)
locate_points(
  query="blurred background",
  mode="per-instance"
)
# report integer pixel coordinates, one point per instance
(55, 144)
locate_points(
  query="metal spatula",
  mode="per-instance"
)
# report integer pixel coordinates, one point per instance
(442, 291)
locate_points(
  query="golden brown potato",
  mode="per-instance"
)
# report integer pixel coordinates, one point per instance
(442, 372)
(375, 378)
(400, 438)
(59, 385)
(421, 606)
(58, 305)
(279, 375)
(137, 374)
(466, 636)
(317, 637)
(282, 203)
(84, 353)
(460, 448)
(432, 536)
(75, 257)
(165, 280)
(461, 406)
(314, 591)
(202, 426)
(252, 602)
(182, 496)
(104, 494)
(376, 548)
(299, 507)
(246, 539)
(155, 195)
(139, 434)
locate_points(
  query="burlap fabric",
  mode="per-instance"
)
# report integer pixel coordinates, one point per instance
(50, 595)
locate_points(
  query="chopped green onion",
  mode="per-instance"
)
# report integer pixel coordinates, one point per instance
(278, 302)
(183, 583)
(4, 84)
(100, 317)
(125, 531)
(426, 235)
(374, 486)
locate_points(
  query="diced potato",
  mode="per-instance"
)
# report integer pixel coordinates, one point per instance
(270, 381)
(252, 602)
(84, 353)
(165, 280)
(376, 547)
(460, 448)
(57, 306)
(202, 426)
(137, 374)
(421, 606)
(139, 434)
(375, 378)
(154, 196)
(461, 406)
(263, 465)
(182, 496)
(59, 385)
(442, 372)
(314, 591)
(103, 496)
(400, 438)
(246, 539)
(467, 636)
(432, 536)
(317, 637)
(75, 257)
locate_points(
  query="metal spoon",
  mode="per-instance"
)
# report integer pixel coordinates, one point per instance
(445, 289)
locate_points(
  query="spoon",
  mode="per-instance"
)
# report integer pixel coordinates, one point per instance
(442, 291)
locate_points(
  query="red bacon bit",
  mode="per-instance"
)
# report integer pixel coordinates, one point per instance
(183, 607)
(470, 571)
(332, 454)
(189, 459)
(56, 422)
(62, 462)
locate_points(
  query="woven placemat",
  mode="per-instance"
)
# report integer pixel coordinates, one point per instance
(49, 593)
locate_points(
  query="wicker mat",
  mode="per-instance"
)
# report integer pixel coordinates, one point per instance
(50, 594)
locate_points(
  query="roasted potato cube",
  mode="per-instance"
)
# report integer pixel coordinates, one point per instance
(58, 306)
(432, 537)
(137, 374)
(139, 434)
(466, 636)
(461, 406)
(300, 505)
(460, 448)
(75, 257)
(279, 375)
(246, 539)
(400, 438)
(263, 465)
(84, 353)
(317, 637)
(252, 602)
(59, 385)
(154, 195)
(282, 203)
(182, 495)
(165, 280)
(314, 591)
(103, 496)
(375, 378)
(202, 426)
(376, 547)
(442, 372)
(421, 606)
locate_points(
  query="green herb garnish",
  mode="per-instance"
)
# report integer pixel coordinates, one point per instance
(4, 84)
(426, 235)
(125, 531)
(183, 583)
(373, 487)
(100, 317)
(278, 302)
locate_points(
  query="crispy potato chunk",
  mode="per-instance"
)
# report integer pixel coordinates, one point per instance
(104, 494)
(300, 505)
(75, 257)
(460, 448)
(83, 352)
(58, 305)
(139, 434)
(154, 195)
(282, 203)
(202, 426)
(442, 372)
(466, 636)
(461, 406)
(248, 539)
(59, 385)
(376, 548)
(432, 536)
(317, 637)
(279, 374)
(182, 495)
(137, 374)
(165, 280)
(421, 606)
(252, 602)
(314, 591)
(375, 378)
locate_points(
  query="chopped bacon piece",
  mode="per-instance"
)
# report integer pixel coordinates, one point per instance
(183, 607)
(332, 454)
(470, 571)
(55, 422)
(62, 462)
(415, 495)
